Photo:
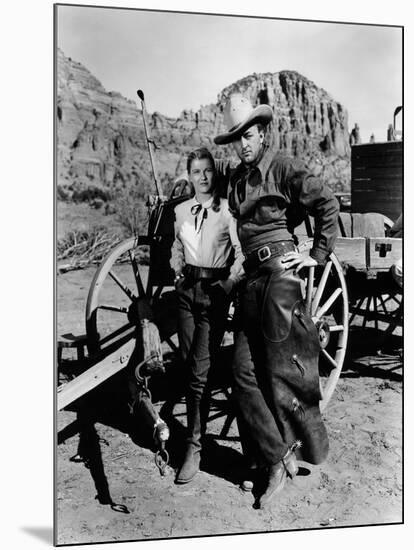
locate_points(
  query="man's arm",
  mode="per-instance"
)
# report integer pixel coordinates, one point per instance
(319, 201)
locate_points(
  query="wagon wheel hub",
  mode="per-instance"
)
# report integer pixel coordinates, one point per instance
(139, 309)
(323, 333)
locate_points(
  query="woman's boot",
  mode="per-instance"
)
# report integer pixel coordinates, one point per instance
(191, 463)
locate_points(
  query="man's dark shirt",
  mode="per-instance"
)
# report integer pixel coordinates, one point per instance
(271, 197)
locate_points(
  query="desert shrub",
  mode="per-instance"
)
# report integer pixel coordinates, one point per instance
(63, 193)
(109, 209)
(131, 210)
(91, 192)
(90, 244)
(79, 249)
(96, 203)
(84, 191)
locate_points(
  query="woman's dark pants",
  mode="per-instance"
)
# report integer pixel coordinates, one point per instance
(202, 312)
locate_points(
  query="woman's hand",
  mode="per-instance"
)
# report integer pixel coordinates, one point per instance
(226, 285)
(298, 259)
(178, 279)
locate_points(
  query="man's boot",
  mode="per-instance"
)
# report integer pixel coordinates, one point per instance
(277, 476)
(250, 471)
(191, 464)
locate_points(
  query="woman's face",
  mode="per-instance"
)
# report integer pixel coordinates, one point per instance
(202, 176)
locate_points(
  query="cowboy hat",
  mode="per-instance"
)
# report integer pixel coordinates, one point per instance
(240, 115)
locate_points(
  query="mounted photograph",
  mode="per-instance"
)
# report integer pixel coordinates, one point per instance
(229, 274)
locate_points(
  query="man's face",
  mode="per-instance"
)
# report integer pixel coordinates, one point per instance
(249, 144)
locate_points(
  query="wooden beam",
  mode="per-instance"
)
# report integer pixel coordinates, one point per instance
(90, 379)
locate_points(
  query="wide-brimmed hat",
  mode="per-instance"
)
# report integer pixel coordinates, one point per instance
(239, 114)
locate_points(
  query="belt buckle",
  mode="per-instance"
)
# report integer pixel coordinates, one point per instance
(264, 253)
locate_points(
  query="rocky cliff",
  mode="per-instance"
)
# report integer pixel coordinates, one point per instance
(101, 138)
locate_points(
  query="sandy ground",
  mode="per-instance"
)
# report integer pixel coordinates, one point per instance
(359, 484)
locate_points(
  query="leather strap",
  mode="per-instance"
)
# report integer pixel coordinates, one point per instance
(265, 252)
(196, 273)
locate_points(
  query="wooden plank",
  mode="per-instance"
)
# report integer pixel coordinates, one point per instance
(378, 174)
(391, 185)
(374, 199)
(371, 195)
(382, 158)
(373, 179)
(382, 253)
(372, 149)
(365, 191)
(383, 161)
(378, 190)
(94, 376)
(390, 209)
(351, 251)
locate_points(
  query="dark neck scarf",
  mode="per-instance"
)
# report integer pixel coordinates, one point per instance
(195, 211)
(247, 170)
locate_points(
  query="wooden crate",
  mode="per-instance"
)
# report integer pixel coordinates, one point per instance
(352, 252)
(377, 254)
(382, 253)
(377, 178)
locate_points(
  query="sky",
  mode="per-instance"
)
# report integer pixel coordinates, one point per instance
(182, 61)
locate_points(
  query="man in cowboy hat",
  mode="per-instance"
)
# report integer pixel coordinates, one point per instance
(275, 366)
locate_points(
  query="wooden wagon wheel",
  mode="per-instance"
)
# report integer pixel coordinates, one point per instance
(122, 292)
(376, 302)
(326, 300)
(379, 306)
(111, 308)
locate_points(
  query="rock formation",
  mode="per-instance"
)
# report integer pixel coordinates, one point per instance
(101, 141)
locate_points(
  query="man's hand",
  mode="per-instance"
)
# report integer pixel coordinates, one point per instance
(298, 259)
(226, 285)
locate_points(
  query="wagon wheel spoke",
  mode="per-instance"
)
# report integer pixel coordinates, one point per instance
(137, 274)
(364, 322)
(119, 309)
(384, 307)
(309, 289)
(172, 345)
(330, 359)
(325, 307)
(157, 293)
(356, 309)
(122, 285)
(375, 312)
(336, 328)
(321, 287)
(117, 333)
